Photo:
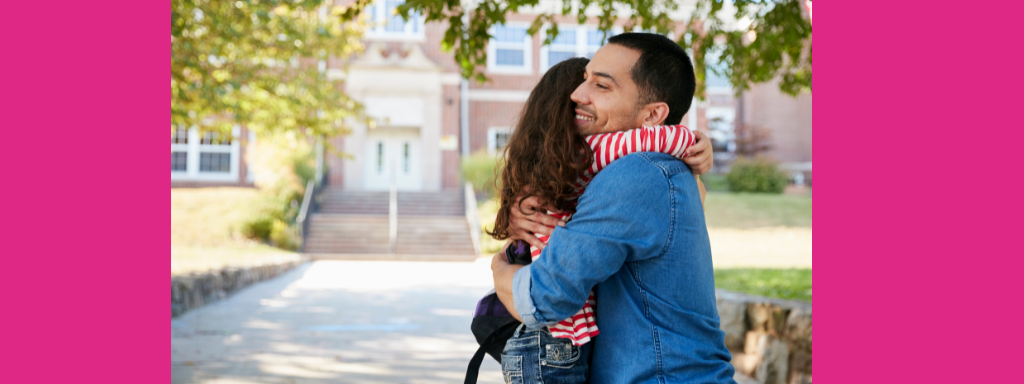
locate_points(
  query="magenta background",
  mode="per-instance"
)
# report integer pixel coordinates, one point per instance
(917, 211)
(85, 251)
(917, 192)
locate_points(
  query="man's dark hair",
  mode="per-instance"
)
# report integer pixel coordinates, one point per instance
(662, 73)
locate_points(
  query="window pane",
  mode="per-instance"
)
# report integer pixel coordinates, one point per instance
(500, 139)
(180, 136)
(179, 161)
(380, 158)
(711, 63)
(405, 157)
(509, 57)
(566, 36)
(555, 57)
(505, 34)
(215, 162)
(595, 38)
(214, 138)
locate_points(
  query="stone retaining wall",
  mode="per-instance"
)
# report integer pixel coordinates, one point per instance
(770, 339)
(193, 290)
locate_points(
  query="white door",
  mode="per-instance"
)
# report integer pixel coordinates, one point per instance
(392, 155)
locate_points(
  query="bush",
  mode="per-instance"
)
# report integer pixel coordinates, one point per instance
(282, 165)
(482, 169)
(756, 175)
(714, 182)
(258, 228)
(283, 236)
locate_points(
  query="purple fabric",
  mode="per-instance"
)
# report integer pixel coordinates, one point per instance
(491, 302)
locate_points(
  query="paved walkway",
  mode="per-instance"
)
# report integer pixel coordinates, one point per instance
(339, 322)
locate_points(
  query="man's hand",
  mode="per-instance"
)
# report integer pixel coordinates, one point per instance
(503, 274)
(699, 156)
(532, 218)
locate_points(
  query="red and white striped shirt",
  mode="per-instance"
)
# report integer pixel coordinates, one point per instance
(608, 147)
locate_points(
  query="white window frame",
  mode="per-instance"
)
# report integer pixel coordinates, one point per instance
(581, 47)
(194, 149)
(377, 28)
(526, 45)
(492, 138)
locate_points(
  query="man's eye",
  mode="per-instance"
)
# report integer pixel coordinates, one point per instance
(599, 85)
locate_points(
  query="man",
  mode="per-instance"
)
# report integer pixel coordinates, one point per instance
(638, 234)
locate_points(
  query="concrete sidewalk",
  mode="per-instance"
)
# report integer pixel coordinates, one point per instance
(339, 322)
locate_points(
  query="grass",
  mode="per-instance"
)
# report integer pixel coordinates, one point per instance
(744, 211)
(756, 210)
(204, 230)
(792, 284)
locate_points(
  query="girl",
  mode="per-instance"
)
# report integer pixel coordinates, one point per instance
(548, 158)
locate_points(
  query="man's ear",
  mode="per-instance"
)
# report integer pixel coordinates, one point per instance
(654, 114)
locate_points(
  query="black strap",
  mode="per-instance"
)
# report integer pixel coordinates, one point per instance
(478, 358)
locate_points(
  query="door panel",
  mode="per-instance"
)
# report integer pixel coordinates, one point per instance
(392, 154)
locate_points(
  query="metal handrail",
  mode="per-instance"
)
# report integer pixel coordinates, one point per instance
(300, 220)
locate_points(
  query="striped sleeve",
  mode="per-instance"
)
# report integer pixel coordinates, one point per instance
(669, 139)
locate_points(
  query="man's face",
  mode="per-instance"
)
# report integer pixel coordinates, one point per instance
(607, 101)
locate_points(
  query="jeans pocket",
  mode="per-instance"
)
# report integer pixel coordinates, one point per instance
(512, 369)
(560, 354)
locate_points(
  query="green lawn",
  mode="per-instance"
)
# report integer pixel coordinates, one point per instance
(753, 210)
(731, 210)
(781, 283)
(204, 229)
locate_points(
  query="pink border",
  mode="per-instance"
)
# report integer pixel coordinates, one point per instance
(85, 229)
(912, 276)
(913, 208)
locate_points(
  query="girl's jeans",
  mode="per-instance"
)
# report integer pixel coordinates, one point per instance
(537, 357)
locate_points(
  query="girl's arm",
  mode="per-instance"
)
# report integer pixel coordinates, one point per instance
(700, 186)
(668, 139)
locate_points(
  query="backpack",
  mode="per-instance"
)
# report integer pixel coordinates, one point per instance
(492, 324)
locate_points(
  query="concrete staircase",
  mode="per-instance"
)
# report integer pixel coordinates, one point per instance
(354, 226)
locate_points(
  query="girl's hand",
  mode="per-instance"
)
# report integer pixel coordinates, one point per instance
(699, 156)
(531, 218)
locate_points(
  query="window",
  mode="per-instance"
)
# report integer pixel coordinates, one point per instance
(715, 82)
(573, 41)
(384, 23)
(405, 158)
(206, 156)
(510, 51)
(497, 138)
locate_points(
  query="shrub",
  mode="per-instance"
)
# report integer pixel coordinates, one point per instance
(482, 169)
(714, 182)
(283, 236)
(756, 175)
(258, 228)
(282, 165)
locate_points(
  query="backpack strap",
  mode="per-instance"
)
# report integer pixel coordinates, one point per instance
(500, 335)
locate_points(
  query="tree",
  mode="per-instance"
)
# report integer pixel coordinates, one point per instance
(775, 43)
(260, 63)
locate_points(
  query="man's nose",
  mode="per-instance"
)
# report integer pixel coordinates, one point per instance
(579, 96)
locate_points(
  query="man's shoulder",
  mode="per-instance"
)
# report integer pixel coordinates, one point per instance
(642, 166)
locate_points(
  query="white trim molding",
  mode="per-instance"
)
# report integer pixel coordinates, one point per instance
(498, 95)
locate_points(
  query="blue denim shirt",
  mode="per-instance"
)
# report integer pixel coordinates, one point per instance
(639, 236)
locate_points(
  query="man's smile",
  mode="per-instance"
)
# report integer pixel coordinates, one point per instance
(583, 117)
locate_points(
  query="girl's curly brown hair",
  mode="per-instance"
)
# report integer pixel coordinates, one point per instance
(546, 153)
